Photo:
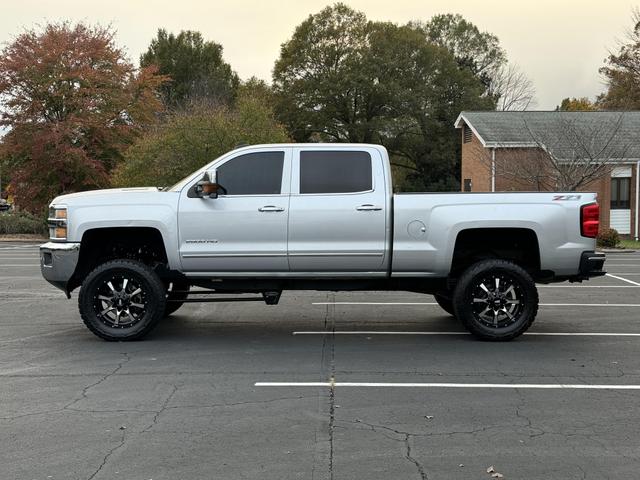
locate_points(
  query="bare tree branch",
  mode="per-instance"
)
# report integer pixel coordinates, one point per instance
(512, 88)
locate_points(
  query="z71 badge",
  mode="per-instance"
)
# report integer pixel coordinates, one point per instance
(566, 198)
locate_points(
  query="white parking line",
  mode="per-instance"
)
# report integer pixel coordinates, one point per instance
(16, 265)
(588, 286)
(542, 386)
(540, 334)
(622, 264)
(623, 279)
(433, 303)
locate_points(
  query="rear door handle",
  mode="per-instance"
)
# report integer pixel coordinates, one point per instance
(271, 208)
(368, 208)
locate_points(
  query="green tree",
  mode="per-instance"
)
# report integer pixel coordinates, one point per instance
(582, 104)
(622, 72)
(343, 78)
(259, 90)
(481, 53)
(196, 68)
(323, 81)
(72, 103)
(478, 51)
(426, 90)
(190, 139)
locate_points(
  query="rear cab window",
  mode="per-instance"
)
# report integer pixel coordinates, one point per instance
(335, 171)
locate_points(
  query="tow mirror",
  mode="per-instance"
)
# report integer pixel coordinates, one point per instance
(208, 187)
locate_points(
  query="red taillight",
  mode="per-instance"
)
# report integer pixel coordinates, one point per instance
(590, 220)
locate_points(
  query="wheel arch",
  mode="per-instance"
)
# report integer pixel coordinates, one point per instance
(99, 245)
(516, 244)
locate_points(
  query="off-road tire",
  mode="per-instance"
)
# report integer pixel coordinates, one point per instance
(108, 280)
(506, 316)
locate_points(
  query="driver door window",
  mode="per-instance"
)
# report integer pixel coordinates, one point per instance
(258, 173)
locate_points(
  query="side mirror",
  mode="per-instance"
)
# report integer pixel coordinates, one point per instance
(208, 186)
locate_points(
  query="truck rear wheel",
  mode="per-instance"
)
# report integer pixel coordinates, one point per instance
(496, 300)
(445, 303)
(122, 300)
(176, 295)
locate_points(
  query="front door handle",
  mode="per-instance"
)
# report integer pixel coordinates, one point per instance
(368, 208)
(271, 208)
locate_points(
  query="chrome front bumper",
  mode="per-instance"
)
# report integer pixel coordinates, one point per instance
(58, 262)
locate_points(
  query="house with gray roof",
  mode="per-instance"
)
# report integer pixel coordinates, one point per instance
(556, 151)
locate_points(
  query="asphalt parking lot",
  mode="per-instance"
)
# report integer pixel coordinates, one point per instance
(249, 391)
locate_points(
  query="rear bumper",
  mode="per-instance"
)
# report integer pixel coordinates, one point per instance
(58, 262)
(592, 264)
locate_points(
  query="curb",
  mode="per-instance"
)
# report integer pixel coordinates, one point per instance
(616, 250)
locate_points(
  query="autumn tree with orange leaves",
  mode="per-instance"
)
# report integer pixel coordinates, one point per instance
(72, 103)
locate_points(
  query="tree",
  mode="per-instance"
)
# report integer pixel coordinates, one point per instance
(187, 140)
(424, 92)
(512, 89)
(481, 53)
(343, 78)
(195, 66)
(622, 72)
(582, 104)
(478, 51)
(72, 104)
(322, 82)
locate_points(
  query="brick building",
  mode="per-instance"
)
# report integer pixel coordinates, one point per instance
(506, 151)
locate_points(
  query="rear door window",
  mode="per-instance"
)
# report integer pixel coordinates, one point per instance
(333, 171)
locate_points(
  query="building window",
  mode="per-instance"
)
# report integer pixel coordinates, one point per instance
(620, 193)
(467, 185)
(467, 134)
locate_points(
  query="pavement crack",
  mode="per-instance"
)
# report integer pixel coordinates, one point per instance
(332, 392)
(162, 409)
(105, 459)
(419, 466)
(104, 378)
(236, 404)
(405, 438)
(538, 431)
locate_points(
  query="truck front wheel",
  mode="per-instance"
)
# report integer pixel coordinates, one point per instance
(122, 300)
(496, 300)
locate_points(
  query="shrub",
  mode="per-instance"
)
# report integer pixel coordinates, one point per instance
(22, 222)
(608, 237)
(190, 139)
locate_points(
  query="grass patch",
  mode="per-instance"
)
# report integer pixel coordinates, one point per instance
(629, 243)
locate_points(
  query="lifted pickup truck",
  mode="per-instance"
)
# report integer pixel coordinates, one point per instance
(268, 218)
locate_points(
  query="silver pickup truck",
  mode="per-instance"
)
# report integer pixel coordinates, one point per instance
(268, 218)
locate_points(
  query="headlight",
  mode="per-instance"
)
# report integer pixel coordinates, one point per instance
(57, 222)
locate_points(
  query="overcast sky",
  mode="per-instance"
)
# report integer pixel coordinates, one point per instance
(560, 44)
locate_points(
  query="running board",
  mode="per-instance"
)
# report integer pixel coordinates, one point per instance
(270, 298)
(236, 299)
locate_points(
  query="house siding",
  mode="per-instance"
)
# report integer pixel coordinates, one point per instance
(476, 165)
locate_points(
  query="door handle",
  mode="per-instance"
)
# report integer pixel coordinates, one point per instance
(271, 208)
(368, 208)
